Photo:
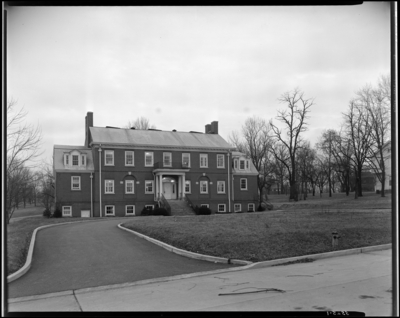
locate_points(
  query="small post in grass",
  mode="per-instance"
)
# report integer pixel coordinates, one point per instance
(335, 238)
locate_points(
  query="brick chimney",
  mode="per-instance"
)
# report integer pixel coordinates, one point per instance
(214, 127)
(88, 123)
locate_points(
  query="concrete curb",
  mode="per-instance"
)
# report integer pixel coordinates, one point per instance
(28, 261)
(319, 256)
(179, 251)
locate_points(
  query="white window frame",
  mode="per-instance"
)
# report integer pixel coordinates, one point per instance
(83, 160)
(247, 164)
(166, 155)
(204, 156)
(105, 186)
(72, 183)
(240, 164)
(67, 160)
(152, 187)
(152, 158)
(223, 161)
(133, 158)
(219, 205)
(188, 155)
(77, 160)
(126, 209)
(253, 205)
(126, 186)
(108, 152)
(235, 165)
(206, 205)
(238, 205)
(188, 182)
(243, 189)
(64, 214)
(113, 210)
(218, 184)
(201, 187)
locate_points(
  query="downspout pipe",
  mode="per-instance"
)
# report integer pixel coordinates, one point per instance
(229, 183)
(91, 194)
(100, 150)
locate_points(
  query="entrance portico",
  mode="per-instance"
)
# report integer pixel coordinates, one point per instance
(170, 183)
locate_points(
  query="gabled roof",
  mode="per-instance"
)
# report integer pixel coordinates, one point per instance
(135, 137)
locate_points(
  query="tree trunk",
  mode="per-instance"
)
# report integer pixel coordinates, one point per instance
(359, 183)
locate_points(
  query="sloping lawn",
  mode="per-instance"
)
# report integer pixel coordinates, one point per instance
(267, 235)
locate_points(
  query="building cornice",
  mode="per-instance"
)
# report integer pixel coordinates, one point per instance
(152, 147)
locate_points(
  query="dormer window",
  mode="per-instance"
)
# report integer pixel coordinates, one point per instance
(247, 164)
(235, 164)
(83, 160)
(66, 160)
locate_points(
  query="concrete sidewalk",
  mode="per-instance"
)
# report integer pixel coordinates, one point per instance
(359, 282)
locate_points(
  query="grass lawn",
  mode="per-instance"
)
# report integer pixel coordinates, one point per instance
(299, 230)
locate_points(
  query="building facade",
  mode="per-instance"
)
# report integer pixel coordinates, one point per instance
(121, 172)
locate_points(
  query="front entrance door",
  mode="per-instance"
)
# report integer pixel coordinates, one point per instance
(169, 190)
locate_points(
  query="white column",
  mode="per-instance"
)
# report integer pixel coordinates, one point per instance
(183, 185)
(161, 188)
(157, 187)
(179, 185)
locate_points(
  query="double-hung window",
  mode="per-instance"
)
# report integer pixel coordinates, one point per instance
(66, 160)
(149, 186)
(129, 209)
(238, 207)
(235, 164)
(188, 188)
(241, 164)
(148, 159)
(129, 186)
(203, 160)
(83, 160)
(110, 210)
(220, 186)
(67, 211)
(167, 159)
(75, 183)
(203, 187)
(109, 186)
(186, 160)
(75, 160)
(221, 208)
(243, 184)
(109, 157)
(220, 161)
(129, 158)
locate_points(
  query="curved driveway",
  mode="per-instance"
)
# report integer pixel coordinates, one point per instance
(91, 254)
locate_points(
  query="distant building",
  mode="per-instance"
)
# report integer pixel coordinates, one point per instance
(387, 154)
(120, 172)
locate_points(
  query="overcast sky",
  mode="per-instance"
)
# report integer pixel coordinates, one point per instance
(183, 67)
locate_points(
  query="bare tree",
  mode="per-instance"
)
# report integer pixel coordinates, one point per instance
(376, 102)
(256, 144)
(23, 145)
(141, 123)
(325, 145)
(294, 120)
(47, 186)
(359, 132)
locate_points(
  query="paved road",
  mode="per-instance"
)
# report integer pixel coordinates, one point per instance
(360, 282)
(89, 254)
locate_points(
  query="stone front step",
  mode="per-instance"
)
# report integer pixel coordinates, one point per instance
(179, 207)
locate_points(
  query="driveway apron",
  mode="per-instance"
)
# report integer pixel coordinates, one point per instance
(91, 254)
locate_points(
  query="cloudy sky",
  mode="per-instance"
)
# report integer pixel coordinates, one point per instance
(183, 67)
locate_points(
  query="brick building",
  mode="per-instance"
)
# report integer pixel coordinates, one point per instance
(119, 172)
